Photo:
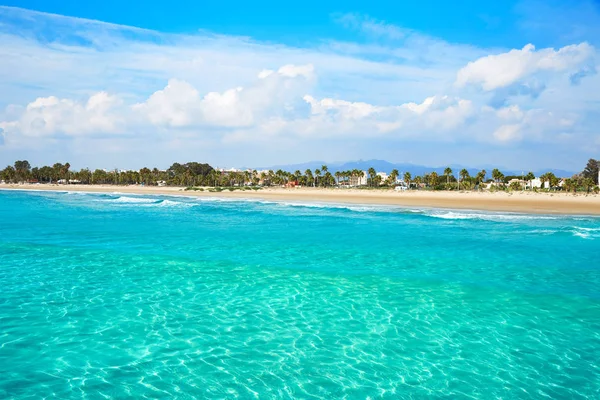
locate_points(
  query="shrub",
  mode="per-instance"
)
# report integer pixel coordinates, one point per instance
(515, 186)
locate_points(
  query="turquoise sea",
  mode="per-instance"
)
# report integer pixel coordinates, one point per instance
(124, 296)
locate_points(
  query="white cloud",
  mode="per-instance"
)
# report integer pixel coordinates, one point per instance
(276, 106)
(330, 117)
(513, 124)
(292, 71)
(507, 133)
(264, 73)
(178, 105)
(510, 113)
(502, 70)
(372, 26)
(49, 116)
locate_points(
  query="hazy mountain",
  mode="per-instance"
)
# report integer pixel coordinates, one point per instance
(386, 166)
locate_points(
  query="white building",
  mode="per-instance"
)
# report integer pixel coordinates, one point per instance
(535, 183)
(383, 176)
(359, 180)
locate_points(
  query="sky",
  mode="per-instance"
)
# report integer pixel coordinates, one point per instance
(107, 84)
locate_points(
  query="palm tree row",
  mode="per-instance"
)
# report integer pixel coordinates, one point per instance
(197, 174)
(178, 174)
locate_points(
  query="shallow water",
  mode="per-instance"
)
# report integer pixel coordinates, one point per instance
(112, 295)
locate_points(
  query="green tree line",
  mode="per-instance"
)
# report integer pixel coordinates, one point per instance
(202, 174)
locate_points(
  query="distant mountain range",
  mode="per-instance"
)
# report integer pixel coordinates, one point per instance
(386, 166)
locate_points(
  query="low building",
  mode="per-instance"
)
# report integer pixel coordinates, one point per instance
(358, 180)
(535, 183)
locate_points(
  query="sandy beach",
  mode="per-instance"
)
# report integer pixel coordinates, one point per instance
(523, 202)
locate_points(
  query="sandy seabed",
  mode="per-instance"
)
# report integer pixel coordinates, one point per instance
(523, 202)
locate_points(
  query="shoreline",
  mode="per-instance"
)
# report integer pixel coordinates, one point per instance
(519, 202)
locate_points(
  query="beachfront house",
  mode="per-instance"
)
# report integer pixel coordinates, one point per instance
(383, 176)
(535, 183)
(358, 180)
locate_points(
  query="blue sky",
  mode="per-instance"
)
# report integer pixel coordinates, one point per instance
(126, 84)
(504, 23)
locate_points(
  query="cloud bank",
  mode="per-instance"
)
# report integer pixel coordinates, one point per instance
(119, 89)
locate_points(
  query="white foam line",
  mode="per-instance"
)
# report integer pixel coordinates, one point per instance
(443, 213)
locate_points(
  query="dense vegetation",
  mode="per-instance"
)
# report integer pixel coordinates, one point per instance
(193, 174)
(188, 174)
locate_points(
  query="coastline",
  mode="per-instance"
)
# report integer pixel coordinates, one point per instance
(519, 202)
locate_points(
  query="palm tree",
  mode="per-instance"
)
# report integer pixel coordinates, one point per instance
(447, 173)
(544, 178)
(569, 184)
(588, 183)
(372, 174)
(280, 175)
(418, 180)
(317, 175)
(464, 174)
(481, 175)
(530, 177)
(309, 177)
(433, 178)
(324, 172)
(407, 179)
(328, 179)
(355, 173)
(550, 178)
(377, 181)
(360, 174)
(497, 175)
(65, 171)
(394, 176)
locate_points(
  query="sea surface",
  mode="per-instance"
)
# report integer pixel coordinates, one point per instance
(124, 296)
